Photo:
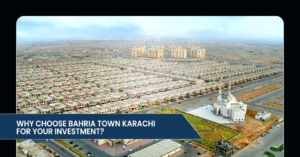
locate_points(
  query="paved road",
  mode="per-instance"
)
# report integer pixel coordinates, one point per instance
(267, 96)
(235, 90)
(89, 146)
(57, 148)
(189, 151)
(258, 102)
(275, 138)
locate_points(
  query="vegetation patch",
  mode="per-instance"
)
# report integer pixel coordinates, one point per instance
(208, 143)
(279, 149)
(20, 140)
(71, 148)
(227, 133)
(209, 131)
(269, 154)
(165, 111)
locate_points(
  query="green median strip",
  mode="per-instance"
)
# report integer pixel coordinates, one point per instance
(279, 149)
(71, 148)
(269, 154)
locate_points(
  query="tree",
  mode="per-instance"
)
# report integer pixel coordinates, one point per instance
(98, 103)
(122, 68)
(165, 101)
(48, 112)
(87, 105)
(201, 93)
(187, 95)
(62, 110)
(194, 93)
(173, 99)
(217, 88)
(180, 97)
(157, 103)
(118, 111)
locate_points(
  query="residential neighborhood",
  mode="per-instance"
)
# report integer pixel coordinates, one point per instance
(223, 74)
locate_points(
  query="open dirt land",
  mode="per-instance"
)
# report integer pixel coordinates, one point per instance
(253, 52)
(246, 96)
(280, 97)
(252, 130)
(274, 104)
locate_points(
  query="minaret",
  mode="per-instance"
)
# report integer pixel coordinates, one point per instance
(220, 90)
(229, 89)
(220, 93)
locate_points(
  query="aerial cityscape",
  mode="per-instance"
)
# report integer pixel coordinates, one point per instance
(225, 75)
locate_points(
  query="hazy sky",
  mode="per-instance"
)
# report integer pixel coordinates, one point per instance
(41, 28)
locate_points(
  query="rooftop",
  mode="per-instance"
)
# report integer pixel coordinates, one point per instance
(157, 150)
(207, 113)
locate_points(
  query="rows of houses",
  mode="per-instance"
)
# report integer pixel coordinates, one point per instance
(181, 92)
(109, 103)
(72, 86)
(182, 59)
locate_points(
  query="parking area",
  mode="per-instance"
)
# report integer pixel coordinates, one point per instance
(190, 149)
(88, 148)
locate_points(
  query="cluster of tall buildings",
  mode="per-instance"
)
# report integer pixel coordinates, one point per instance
(197, 52)
(156, 52)
(174, 51)
(178, 52)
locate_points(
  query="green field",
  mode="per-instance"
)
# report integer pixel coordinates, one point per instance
(210, 144)
(208, 130)
(202, 126)
(165, 111)
(211, 135)
(228, 133)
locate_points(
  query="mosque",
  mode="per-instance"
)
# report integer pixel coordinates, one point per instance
(230, 107)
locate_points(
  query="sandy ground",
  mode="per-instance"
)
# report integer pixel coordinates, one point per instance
(280, 97)
(252, 130)
(274, 104)
(246, 96)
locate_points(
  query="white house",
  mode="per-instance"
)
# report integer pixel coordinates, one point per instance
(262, 115)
